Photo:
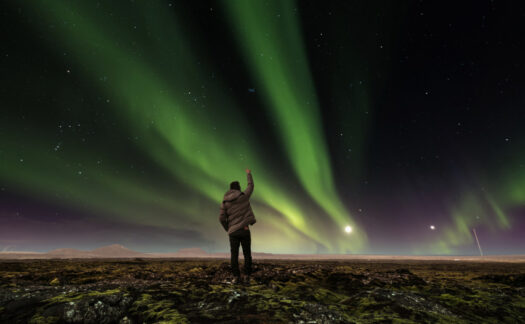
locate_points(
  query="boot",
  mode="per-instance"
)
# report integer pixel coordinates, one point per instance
(236, 280)
(246, 279)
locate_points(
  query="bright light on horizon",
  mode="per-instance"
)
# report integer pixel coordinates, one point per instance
(348, 229)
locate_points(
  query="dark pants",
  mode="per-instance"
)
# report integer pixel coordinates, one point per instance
(242, 237)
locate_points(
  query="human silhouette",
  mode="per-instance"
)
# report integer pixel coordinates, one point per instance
(235, 216)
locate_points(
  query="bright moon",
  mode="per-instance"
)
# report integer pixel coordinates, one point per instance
(348, 229)
(432, 227)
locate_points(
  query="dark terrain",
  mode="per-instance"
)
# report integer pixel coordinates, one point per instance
(200, 291)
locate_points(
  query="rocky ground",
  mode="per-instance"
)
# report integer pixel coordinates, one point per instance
(200, 291)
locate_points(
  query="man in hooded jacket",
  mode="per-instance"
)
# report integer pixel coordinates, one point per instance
(235, 216)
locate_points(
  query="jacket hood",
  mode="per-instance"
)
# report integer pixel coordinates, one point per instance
(231, 194)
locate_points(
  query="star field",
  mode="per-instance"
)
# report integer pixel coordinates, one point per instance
(370, 127)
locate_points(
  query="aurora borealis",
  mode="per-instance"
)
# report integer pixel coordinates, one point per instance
(125, 121)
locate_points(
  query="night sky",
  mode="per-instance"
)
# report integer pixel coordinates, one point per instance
(125, 121)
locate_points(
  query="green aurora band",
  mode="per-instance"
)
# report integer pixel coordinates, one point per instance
(275, 54)
(160, 109)
(475, 208)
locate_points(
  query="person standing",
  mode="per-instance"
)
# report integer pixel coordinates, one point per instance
(235, 216)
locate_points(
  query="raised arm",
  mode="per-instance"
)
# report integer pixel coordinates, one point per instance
(249, 188)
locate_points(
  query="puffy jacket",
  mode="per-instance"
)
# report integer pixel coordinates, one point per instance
(236, 211)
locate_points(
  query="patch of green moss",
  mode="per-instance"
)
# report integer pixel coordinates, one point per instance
(215, 287)
(267, 304)
(76, 296)
(39, 319)
(196, 293)
(453, 300)
(483, 306)
(159, 311)
(326, 296)
(480, 299)
(176, 293)
(520, 302)
(366, 303)
(295, 290)
(369, 310)
(195, 270)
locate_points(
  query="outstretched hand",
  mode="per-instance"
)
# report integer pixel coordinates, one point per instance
(248, 171)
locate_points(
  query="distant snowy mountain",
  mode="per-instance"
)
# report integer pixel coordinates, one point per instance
(116, 251)
(192, 251)
(119, 251)
(67, 251)
(110, 251)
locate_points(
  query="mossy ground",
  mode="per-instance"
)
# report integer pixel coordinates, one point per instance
(200, 291)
